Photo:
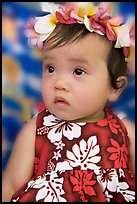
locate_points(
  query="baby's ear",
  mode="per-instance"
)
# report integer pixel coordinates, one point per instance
(121, 83)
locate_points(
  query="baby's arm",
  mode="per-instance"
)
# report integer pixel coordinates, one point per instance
(131, 134)
(20, 165)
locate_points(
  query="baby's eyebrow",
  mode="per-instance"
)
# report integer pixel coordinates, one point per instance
(79, 60)
(48, 57)
(72, 59)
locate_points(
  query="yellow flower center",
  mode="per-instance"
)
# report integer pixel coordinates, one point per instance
(88, 10)
(53, 20)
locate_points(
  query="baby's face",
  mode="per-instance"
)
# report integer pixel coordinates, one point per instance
(75, 80)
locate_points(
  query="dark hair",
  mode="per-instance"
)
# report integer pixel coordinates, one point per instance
(65, 33)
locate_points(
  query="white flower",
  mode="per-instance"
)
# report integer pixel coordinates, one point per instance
(45, 25)
(121, 173)
(59, 128)
(123, 33)
(59, 145)
(108, 196)
(57, 155)
(49, 7)
(123, 37)
(63, 166)
(84, 155)
(127, 194)
(108, 179)
(49, 187)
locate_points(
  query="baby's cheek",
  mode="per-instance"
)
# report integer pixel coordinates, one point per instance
(84, 99)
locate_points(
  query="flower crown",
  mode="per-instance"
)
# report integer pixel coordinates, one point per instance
(95, 18)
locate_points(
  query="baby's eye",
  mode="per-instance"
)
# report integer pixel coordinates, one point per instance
(50, 69)
(79, 71)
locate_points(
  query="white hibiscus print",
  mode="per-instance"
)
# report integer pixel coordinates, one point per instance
(15, 200)
(84, 154)
(128, 194)
(108, 196)
(121, 173)
(108, 179)
(49, 187)
(56, 129)
(63, 166)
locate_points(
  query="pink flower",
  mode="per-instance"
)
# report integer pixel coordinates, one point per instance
(130, 50)
(102, 12)
(39, 29)
(98, 21)
(32, 35)
(61, 19)
(111, 24)
(96, 25)
(132, 34)
(64, 16)
(107, 21)
(95, 18)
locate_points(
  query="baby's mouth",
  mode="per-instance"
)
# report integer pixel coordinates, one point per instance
(61, 102)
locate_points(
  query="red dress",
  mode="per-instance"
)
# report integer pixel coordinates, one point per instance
(79, 162)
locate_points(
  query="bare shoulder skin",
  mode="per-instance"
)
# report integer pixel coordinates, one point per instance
(131, 134)
(20, 165)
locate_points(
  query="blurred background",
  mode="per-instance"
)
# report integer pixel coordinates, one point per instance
(21, 71)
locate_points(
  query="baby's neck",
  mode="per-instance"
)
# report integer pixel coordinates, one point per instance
(90, 118)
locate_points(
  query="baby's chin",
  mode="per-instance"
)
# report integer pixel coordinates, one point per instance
(63, 116)
(68, 118)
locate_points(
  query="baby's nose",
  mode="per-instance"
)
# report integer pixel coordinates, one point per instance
(62, 84)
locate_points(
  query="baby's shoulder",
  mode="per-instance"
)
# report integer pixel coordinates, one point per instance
(130, 126)
(27, 133)
(30, 125)
(127, 125)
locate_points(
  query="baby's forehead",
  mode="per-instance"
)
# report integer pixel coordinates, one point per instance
(90, 43)
(98, 39)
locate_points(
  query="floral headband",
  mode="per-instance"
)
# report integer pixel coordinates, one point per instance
(95, 18)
